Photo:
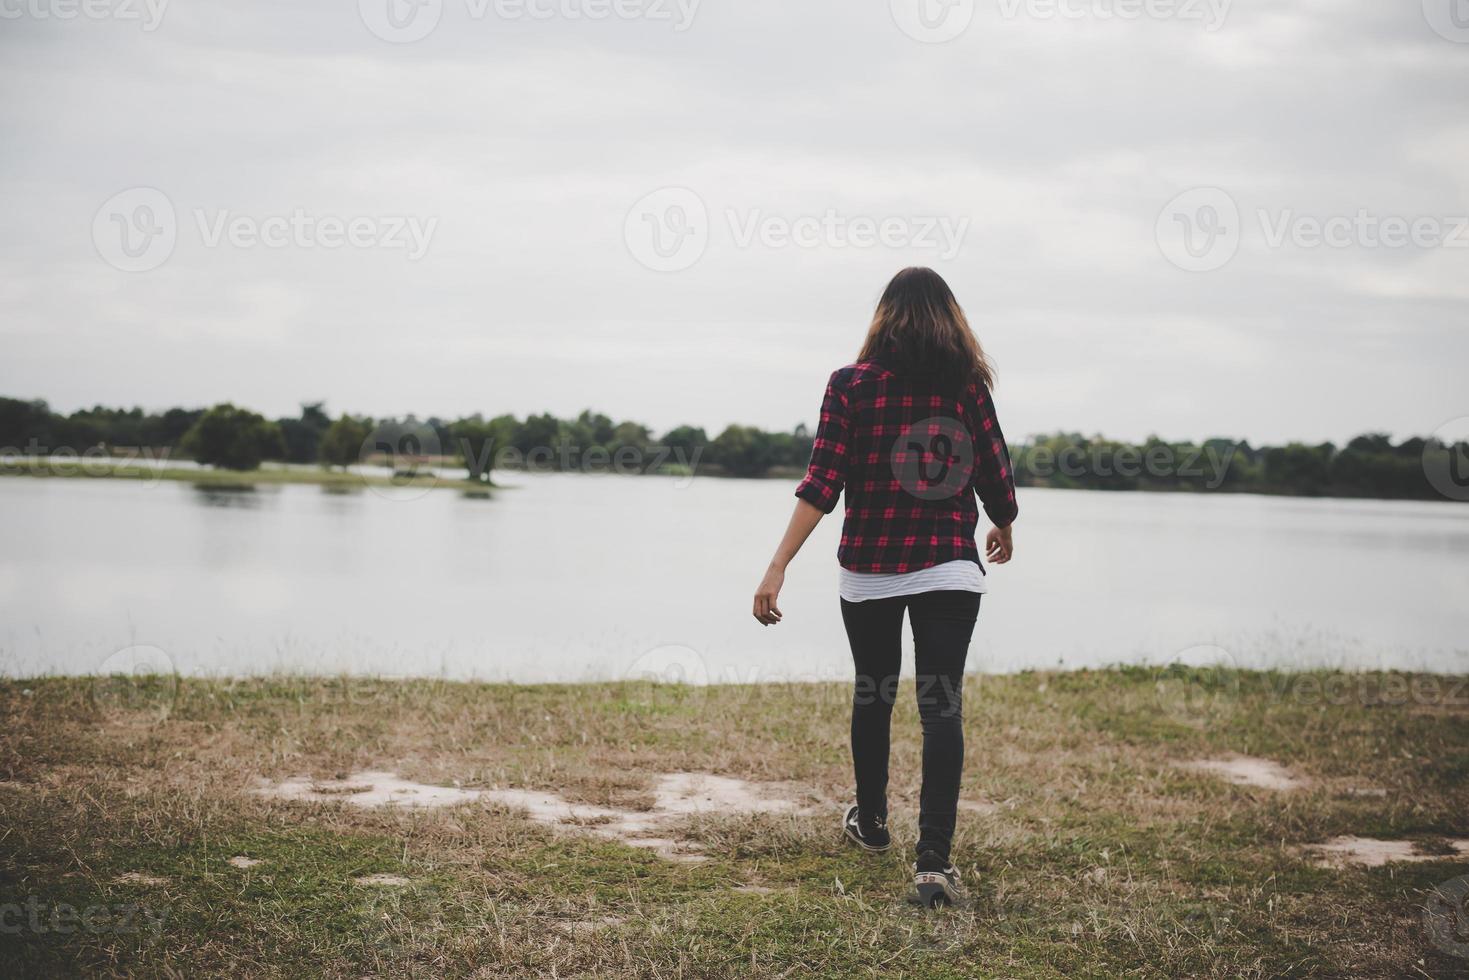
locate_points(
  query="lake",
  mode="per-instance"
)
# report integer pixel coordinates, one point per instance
(579, 577)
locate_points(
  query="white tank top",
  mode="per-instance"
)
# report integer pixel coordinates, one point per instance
(960, 575)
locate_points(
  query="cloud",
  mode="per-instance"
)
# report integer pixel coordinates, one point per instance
(1056, 140)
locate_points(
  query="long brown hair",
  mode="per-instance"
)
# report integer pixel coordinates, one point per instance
(920, 329)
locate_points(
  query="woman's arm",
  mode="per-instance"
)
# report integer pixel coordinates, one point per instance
(817, 495)
(994, 480)
(803, 521)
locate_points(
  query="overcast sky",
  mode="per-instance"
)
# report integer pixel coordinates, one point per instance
(497, 169)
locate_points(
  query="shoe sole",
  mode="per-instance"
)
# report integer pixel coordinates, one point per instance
(935, 891)
(851, 835)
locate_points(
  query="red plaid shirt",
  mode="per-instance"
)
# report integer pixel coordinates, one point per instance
(912, 459)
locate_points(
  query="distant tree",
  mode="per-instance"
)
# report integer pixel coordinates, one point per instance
(166, 431)
(341, 444)
(686, 440)
(538, 432)
(478, 442)
(1299, 469)
(742, 451)
(24, 421)
(233, 439)
(303, 434)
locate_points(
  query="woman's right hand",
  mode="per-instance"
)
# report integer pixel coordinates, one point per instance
(999, 544)
(766, 611)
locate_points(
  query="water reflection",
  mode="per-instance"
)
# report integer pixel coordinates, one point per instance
(574, 577)
(245, 495)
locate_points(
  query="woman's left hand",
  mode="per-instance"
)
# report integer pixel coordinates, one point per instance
(766, 611)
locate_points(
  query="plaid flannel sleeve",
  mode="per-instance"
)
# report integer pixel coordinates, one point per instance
(993, 479)
(830, 451)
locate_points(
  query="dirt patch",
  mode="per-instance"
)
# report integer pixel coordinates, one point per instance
(1370, 852)
(382, 881)
(1245, 770)
(761, 890)
(676, 795)
(140, 878)
(368, 789)
(591, 925)
(240, 861)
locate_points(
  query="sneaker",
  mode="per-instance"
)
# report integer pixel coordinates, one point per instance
(937, 881)
(873, 836)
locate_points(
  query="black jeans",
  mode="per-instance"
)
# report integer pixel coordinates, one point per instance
(942, 623)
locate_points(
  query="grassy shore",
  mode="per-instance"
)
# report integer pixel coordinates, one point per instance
(104, 468)
(1089, 846)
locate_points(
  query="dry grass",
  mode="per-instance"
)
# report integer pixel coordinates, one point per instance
(1102, 856)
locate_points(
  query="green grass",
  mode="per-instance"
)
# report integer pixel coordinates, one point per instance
(1101, 857)
(104, 468)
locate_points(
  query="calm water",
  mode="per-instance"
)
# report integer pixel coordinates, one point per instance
(575, 577)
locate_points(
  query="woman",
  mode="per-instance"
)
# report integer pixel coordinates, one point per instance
(909, 431)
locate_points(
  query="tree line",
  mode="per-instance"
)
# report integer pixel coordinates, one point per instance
(236, 438)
